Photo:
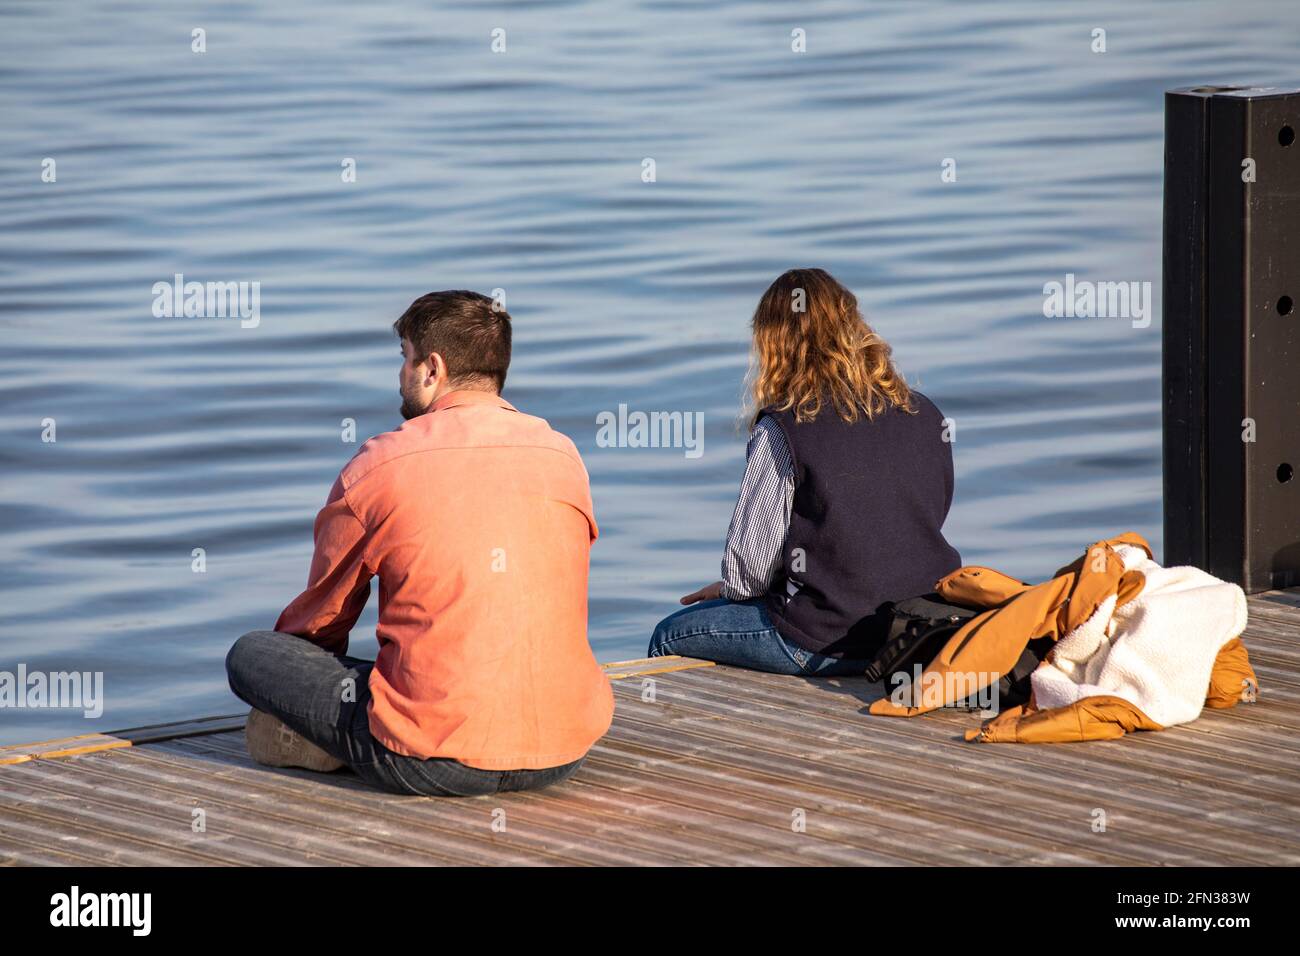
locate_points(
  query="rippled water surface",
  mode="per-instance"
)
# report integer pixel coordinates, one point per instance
(522, 171)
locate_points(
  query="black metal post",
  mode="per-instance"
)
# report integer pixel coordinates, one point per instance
(1231, 333)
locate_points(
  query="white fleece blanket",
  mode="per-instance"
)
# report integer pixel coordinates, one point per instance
(1156, 652)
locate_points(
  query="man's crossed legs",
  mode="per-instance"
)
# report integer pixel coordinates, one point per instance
(324, 699)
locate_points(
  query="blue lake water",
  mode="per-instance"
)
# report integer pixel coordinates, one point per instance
(522, 171)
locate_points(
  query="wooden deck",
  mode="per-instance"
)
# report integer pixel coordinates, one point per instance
(724, 766)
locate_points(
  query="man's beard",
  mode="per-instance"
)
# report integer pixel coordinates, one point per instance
(411, 408)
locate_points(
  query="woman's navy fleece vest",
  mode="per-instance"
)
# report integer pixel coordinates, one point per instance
(870, 499)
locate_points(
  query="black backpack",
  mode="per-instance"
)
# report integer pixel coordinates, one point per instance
(919, 627)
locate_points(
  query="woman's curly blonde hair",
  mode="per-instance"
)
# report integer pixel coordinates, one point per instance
(812, 347)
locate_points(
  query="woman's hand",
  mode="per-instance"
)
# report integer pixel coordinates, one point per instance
(709, 592)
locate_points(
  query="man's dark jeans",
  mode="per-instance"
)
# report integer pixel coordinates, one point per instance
(324, 698)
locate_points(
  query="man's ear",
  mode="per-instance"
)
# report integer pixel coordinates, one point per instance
(437, 369)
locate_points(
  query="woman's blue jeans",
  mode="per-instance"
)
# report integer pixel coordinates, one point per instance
(740, 633)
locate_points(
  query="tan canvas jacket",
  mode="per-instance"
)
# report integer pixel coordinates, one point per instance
(990, 644)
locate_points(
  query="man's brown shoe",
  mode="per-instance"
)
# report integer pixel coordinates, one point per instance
(272, 743)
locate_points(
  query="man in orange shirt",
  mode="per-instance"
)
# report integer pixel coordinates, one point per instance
(477, 520)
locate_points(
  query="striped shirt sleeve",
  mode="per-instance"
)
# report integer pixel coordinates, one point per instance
(762, 518)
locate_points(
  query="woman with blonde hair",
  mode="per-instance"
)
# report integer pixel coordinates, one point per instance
(848, 479)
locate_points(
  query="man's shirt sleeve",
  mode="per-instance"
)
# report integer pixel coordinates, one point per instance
(761, 520)
(338, 584)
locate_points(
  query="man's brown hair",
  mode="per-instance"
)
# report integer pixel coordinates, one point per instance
(461, 326)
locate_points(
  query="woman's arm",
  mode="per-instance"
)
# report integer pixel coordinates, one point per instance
(762, 518)
(760, 522)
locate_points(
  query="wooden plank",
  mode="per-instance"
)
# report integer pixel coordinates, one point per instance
(1040, 772)
(58, 818)
(819, 697)
(651, 837)
(198, 727)
(856, 820)
(20, 852)
(642, 667)
(723, 766)
(22, 831)
(341, 806)
(462, 825)
(1287, 602)
(265, 836)
(93, 743)
(1108, 762)
(990, 804)
(63, 747)
(684, 810)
